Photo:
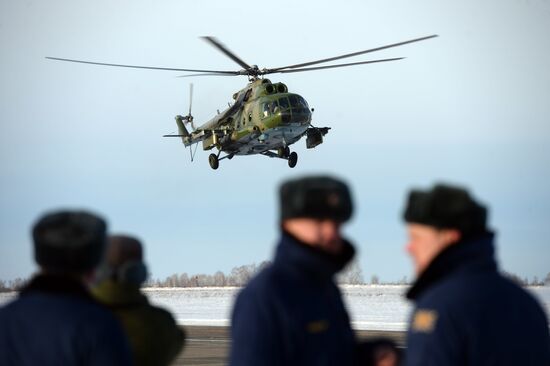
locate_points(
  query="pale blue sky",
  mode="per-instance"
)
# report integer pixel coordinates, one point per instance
(470, 107)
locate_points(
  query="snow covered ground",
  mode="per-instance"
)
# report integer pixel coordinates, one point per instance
(377, 307)
(370, 307)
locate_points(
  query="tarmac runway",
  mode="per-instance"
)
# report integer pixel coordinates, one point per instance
(206, 345)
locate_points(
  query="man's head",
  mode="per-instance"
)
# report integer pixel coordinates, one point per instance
(313, 209)
(123, 261)
(439, 218)
(70, 242)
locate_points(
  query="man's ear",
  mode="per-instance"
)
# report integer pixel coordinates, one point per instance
(452, 236)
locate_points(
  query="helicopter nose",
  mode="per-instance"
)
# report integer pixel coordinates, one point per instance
(301, 117)
(286, 117)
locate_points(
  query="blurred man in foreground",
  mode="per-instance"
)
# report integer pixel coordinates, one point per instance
(466, 312)
(292, 313)
(155, 339)
(55, 320)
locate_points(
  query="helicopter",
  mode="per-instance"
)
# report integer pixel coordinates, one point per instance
(264, 117)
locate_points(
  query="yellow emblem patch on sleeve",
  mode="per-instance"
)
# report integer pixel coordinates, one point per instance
(318, 326)
(424, 320)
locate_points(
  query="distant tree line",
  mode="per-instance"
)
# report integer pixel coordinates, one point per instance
(13, 285)
(239, 276)
(351, 275)
(524, 281)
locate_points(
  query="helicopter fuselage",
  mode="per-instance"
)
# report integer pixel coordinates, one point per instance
(264, 117)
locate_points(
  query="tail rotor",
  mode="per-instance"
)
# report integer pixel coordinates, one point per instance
(182, 120)
(189, 118)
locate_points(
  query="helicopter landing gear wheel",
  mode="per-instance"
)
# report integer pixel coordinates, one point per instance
(213, 161)
(292, 159)
(283, 152)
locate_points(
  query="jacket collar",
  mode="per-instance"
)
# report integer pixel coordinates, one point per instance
(471, 255)
(309, 261)
(58, 284)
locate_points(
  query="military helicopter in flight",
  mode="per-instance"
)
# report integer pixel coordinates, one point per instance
(264, 118)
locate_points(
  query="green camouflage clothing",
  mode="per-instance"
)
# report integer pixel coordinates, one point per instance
(154, 337)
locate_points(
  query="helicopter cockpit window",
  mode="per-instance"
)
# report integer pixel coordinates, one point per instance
(298, 103)
(283, 102)
(269, 108)
(266, 110)
(293, 101)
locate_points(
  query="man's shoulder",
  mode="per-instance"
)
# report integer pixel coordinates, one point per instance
(520, 297)
(151, 324)
(467, 293)
(65, 307)
(265, 286)
(268, 279)
(158, 314)
(61, 317)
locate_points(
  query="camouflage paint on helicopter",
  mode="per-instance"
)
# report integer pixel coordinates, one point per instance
(264, 118)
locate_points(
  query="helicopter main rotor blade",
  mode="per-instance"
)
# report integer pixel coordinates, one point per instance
(349, 54)
(209, 74)
(213, 41)
(335, 66)
(145, 67)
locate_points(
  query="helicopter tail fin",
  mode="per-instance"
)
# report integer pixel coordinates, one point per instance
(181, 128)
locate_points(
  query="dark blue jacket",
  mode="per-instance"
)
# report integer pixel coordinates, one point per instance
(56, 322)
(292, 312)
(468, 314)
